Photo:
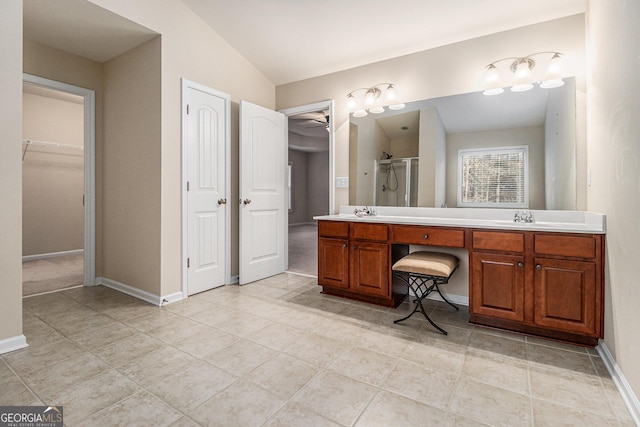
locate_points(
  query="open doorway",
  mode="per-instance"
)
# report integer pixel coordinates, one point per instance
(57, 189)
(309, 166)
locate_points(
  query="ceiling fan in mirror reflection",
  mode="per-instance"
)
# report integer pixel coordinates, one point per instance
(373, 99)
(523, 78)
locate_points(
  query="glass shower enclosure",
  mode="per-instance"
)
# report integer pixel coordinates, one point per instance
(396, 182)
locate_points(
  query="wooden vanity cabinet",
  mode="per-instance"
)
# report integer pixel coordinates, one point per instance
(354, 261)
(547, 284)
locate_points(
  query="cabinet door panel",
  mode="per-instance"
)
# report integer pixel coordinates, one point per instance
(565, 295)
(498, 286)
(333, 263)
(370, 268)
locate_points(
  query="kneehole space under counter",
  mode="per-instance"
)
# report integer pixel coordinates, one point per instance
(543, 278)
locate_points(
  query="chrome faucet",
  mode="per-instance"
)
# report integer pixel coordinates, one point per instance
(523, 216)
(365, 211)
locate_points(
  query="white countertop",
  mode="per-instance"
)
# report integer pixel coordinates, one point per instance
(556, 221)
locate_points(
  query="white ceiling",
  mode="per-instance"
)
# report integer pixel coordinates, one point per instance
(291, 40)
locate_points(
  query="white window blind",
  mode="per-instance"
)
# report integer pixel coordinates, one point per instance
(494, 177)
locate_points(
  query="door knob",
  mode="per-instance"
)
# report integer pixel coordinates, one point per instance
(246, 201)
(222, 201)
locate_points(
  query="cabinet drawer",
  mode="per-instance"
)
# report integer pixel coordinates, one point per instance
(572, 246)
(497, 241)
(377, 232)
(333, 229)
(432, 236)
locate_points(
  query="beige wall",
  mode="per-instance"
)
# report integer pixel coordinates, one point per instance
(130, 185)
(52, 178)
(533, 137)
(613, 131)
(10, 169)
(449, 70)
(192, 50)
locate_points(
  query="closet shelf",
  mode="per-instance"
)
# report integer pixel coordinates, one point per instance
(50, 145)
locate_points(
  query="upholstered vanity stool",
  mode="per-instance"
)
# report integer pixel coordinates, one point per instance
(424, 272)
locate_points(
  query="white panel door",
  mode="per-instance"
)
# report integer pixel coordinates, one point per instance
(263, 141)
(206, 134)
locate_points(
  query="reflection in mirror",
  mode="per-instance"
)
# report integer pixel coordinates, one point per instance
(410, 157)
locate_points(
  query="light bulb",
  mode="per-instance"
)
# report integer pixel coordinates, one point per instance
(522, 80)
(370, 97)
(492, 81)
(390, 94)
(553, 75)
(351, 102)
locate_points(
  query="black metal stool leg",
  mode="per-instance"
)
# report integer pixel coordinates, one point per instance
(424, 313)
(446, 300)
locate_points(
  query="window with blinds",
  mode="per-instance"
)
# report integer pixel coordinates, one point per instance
(494, 177)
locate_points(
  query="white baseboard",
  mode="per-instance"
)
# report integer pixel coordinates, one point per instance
(13, 344)
(52, 255)
(139, 293)
(629, 397)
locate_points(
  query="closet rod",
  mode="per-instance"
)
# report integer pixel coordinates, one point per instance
(52, 144)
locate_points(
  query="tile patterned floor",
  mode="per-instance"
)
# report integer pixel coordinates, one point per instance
(279, 353)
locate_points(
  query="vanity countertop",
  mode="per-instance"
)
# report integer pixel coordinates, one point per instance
(545, 220)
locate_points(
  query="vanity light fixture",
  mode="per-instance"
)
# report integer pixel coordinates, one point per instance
(523, 77)
(373, 99)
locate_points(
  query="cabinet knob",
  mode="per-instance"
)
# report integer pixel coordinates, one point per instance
(520, 264)
(344, 245)
(538, 267)
(355, 247)
(426, 236)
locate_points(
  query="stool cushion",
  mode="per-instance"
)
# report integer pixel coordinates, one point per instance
(429, 263)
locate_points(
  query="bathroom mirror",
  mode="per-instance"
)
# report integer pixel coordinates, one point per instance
(409, 157)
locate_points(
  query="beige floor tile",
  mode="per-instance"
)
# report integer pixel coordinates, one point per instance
(192, 387)
(304, 320)
(38, 332)
(547, 414)
(283, 375)
(218, 315)
(363, 365)
(241, 357)
(58, 377)
(421, 383)
(389, 409)
(127, 349)
(90, 396)
(205, 344)
(436, 355)
(152, 320)
(340, 330)
(245, 325)
(99, 337)
(555, 358)
(499, 347)
(13, 391)
(156, 366)
(316, 349)
(616, 401)
(578, 391)
(241, 404)
(489, 404)
(504, 373)
(499, 333)
(392, 344)
(448, 316)
(455, 336)
(277, 336)
(190, 307)
(556, 344)
(130, 310)
(184, 422)
(140, 409)
(336, 397)
(75, 323)
(455, 420)
(293, 414)
(179, 329)
(34, 358)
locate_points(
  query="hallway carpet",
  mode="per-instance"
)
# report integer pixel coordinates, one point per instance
(303, 249)
(52, 274)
